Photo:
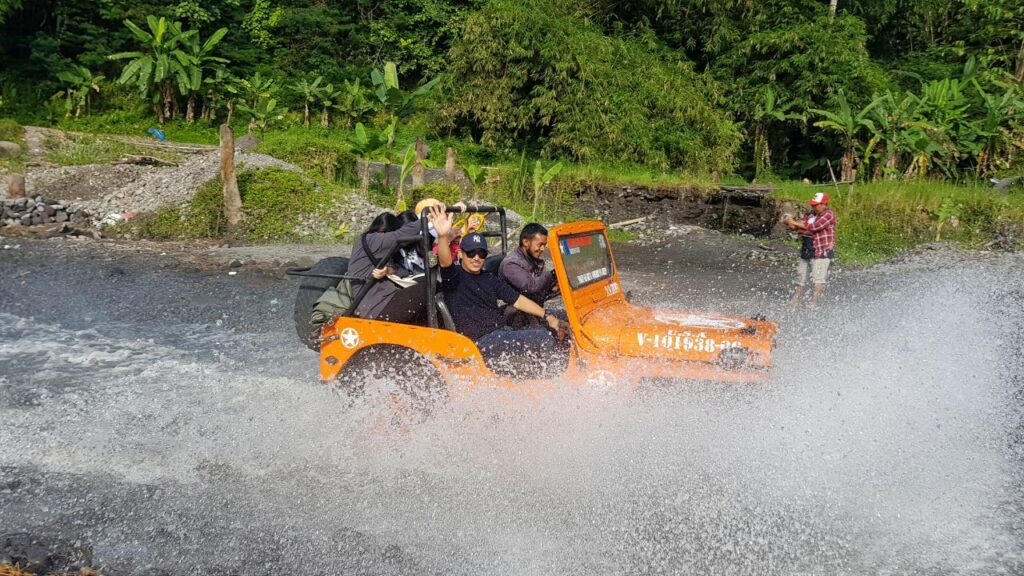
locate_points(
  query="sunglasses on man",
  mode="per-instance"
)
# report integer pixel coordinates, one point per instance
(479, 253)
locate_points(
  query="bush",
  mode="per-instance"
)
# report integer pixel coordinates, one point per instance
(275, 201)
(324, 152)
(11, 131)
(535, 71)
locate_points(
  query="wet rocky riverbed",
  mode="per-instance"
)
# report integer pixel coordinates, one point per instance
(156, 404)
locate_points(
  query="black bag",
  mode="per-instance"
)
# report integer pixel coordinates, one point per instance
(807, 248)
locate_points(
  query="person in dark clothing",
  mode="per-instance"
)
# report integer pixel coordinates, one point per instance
(386, 300)
(410, 256)
(472, 296)
(524, 270)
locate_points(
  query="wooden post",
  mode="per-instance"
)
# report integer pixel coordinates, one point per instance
(449, 167)
(232, 198)
(417, 168)
(16, 186)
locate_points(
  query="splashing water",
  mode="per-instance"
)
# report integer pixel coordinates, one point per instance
(887, 442)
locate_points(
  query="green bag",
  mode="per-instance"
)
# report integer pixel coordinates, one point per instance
(334, 302)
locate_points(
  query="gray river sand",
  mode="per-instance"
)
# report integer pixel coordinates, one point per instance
(163, 411)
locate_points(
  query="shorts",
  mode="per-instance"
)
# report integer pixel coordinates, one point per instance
(818, 269)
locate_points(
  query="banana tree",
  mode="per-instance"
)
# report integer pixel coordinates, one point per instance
(541, 178)
(163, 60)
(890, 114)
(200, 61)
(328, 97)
(254, 93)
(363, 144)
(396, 102)
(477, 177)
(408, 161)
(81, 83)
(309, 91)
(261, 116)
(352, 103)
(997, 127)
(848, 125)
(770, 111)
(219, 87)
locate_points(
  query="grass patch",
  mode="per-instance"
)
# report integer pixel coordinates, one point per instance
(323, 152)
(274, 203)
(77, 150)
(11, 131)
(880, 220)
(129, 123)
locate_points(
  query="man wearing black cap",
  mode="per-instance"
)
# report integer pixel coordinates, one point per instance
(473, 295)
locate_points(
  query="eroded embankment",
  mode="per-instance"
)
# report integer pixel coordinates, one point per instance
(749, 209)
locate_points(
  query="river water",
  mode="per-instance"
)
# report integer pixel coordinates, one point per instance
(166, 414)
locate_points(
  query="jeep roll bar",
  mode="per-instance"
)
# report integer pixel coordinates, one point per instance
(427, 241)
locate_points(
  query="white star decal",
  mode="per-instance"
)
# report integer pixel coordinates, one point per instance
(349, 338)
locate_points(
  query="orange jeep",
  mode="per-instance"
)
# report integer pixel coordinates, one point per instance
(613, 341)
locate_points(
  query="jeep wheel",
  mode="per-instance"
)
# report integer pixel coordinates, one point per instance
(411, 386)
(309, 291)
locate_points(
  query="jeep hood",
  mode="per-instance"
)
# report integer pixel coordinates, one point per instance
(633, 331)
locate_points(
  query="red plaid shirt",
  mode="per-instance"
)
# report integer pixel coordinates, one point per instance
(822, 230)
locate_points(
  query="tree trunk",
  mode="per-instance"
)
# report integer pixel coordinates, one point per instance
(891, 166)
(159, 111)
(417, 168)
(847, 172)
(16, 186)
(1020, 63)
(231, 111)
(232, 198)
(324, 118)
(305, 115)
(449, 166)
(168, 102)
(364, 184)
(190, 111)
(832, 8)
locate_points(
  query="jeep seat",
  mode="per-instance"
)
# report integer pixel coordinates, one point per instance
(493, 263)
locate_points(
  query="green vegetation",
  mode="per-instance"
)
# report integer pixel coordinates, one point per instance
(87, 149)
(902, 98)
(275, 202)
(881, 219)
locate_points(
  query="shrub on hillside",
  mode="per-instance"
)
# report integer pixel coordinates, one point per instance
(11, 131)
(320, 151)
(536, 71)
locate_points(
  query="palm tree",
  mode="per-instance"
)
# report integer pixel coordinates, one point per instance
(155, 68)
(309, 91)
(81, 83)
(847, 124)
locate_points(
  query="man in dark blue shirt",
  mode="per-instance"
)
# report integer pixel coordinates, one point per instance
(472, 296)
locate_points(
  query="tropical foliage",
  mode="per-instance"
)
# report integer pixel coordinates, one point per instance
(768, 89)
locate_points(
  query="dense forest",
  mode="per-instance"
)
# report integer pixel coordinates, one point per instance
(899, 89)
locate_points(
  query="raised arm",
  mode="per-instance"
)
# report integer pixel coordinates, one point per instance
(443, 226)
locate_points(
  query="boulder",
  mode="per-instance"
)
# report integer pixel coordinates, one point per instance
(9, 149)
